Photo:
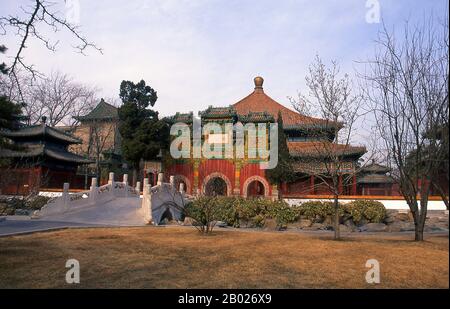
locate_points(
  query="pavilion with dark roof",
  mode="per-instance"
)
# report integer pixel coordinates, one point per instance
(39, 158)
(308, 140)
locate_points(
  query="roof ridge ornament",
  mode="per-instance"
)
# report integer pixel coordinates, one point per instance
(259, 81)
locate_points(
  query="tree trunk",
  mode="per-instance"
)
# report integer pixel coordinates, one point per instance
(442, 194)
(418, 232)
(337, 233)
(134, 176)
(419, 224)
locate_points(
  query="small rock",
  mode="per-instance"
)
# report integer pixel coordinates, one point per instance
(344, 228)
(401, 226)
(389, 220)
(21, 212)
(373, 227)
(315, 227)
(362, 222)
(221, 224)
(350, 225)
(304, 223)
(401, 216)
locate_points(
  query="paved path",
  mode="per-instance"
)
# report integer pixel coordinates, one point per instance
(118, 212)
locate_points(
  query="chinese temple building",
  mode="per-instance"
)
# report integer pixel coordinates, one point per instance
(373, 180)
(40, 159)
(99, 132)
(307, 138)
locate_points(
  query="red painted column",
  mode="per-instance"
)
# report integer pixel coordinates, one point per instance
(312, 183)
(354, 185)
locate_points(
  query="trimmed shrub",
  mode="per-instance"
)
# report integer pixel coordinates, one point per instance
(205, 212)
(283, 213)
(314, 209)
(372, 211)
(236, 211)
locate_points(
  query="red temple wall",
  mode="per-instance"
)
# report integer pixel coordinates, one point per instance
(184, 169)
(249, 170)
(208, 167)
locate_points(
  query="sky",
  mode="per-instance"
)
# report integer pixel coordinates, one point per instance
(197, 53)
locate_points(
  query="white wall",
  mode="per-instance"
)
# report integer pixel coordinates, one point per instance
(389, 204)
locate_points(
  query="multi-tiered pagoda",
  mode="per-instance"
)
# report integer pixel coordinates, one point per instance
(38, 159)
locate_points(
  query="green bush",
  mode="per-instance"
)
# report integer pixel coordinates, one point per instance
(313, 209)
(283, 213)
(227, 211)
(236, 211)
(205, 212)
(258, 220)
(372, 211)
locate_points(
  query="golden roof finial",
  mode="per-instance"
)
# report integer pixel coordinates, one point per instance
(258, 82)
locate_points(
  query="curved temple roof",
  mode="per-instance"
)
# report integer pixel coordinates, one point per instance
(39, 150)
(323, 149)
(41, 130)
(258, 101)
(103, 111)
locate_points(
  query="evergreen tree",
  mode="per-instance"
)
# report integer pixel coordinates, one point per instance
(10, 113)
(143, 133)
(3, 68)
(284, 171)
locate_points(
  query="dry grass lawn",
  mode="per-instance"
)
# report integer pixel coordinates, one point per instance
(151, 257)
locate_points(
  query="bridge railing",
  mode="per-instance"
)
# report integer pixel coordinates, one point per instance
(69, 202)
(163, 197)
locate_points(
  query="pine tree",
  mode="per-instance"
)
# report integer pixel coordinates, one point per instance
(284, 171)
(143, 133)
(10, 112)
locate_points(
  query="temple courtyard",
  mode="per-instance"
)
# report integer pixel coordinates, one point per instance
(179, 257)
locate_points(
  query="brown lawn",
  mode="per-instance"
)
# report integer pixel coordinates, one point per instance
(150, 257)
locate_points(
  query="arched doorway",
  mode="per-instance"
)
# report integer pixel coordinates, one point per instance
(255, 189)
(181, 179)
(216, 184)
(255, 186)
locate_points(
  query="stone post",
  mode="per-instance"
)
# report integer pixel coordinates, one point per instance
(160, 179)
(93, 190)
(138, 188)
(111, 178)
(181, 188)
(145, 185)
(172, 181)
(65, 195)
(125, 182)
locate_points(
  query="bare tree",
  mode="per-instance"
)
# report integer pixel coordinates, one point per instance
(60, 99)
(407, 82)
(333, 161)
(101, 133)
(37, 18)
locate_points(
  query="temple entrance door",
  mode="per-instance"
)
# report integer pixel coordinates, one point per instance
(216, 186)
(255, 189)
